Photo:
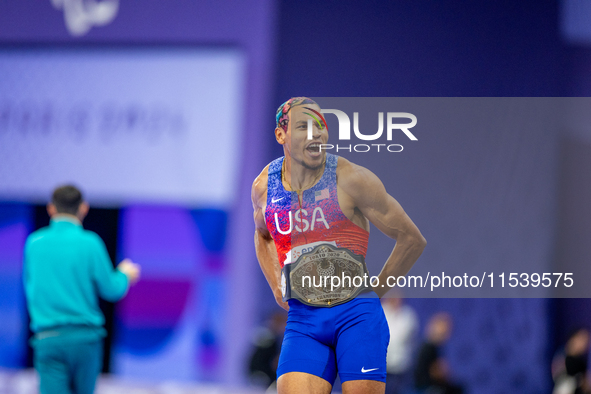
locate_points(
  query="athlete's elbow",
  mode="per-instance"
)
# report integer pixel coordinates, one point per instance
(416, 241)
(422, 243)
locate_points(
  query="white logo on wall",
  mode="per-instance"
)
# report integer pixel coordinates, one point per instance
(81, 15)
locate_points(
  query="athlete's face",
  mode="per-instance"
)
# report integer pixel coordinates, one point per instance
(295, 141)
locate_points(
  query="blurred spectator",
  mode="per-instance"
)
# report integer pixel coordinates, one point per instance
(432, 374)
(403, 324)
(262, 367)
(569, 367)
(66, 269)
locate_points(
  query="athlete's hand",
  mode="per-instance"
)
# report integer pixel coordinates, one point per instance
(131, 270)
(282, 303)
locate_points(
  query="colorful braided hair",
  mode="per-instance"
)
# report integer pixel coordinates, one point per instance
(282, 117)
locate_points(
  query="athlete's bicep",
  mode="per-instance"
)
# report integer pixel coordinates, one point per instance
(267, 256)
(263, 233)
(380, 208)
(263, 238)
(390, 218)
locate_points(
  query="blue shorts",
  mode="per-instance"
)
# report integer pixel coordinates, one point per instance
(351, 339)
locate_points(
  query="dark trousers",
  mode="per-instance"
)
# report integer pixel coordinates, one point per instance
(400, 383)
(68, 368)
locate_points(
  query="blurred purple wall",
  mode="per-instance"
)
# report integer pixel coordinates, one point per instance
(248, 25)
(421, 48)
(573, 225)
(15, 225)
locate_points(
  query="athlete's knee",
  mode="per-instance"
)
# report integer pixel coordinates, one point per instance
(302, 383)
(364, 387)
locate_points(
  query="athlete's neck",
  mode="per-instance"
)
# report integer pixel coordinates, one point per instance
(298, 176)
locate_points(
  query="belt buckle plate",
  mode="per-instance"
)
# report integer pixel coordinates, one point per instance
(310, 276)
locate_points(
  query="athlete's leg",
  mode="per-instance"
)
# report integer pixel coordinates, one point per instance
(307, 363)
(363, 337)
(302, 383)
(364, 387)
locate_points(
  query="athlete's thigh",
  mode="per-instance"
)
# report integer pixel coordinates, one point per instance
(305, 348)
(301, 353)
(302, 383)
(362, 343)
(364, 387)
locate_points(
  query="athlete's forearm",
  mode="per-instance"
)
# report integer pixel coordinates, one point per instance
(405, 253)
(268, 261)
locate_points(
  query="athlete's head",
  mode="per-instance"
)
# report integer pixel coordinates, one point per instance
(67, 200)
(292, 131)
(282, 114)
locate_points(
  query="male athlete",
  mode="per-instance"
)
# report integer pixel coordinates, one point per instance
(307, 198)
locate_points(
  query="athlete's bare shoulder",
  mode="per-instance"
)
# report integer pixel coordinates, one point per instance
(259, 189)
(356, 180)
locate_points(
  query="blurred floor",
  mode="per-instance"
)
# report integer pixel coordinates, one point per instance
(26, 381)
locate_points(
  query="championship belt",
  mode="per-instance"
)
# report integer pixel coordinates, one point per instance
(325, 277)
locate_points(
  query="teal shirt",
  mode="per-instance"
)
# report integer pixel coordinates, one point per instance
(66, 269)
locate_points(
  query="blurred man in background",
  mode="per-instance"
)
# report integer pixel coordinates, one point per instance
(569, 367)
(66, 270)
(403, 324)
(432, 374)
(262, 367)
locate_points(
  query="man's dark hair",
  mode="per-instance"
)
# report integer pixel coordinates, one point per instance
(282, 117)
(67, 199)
